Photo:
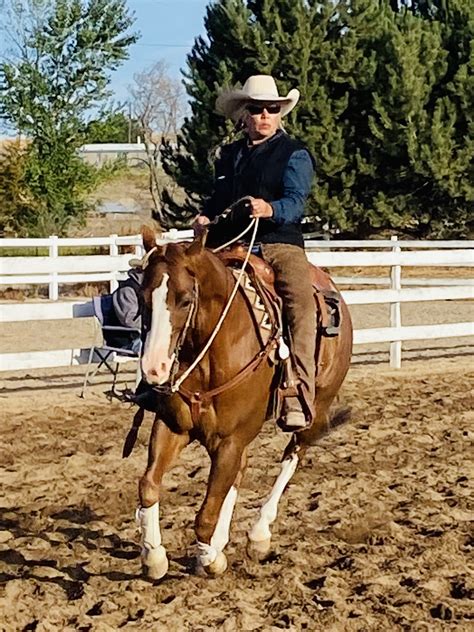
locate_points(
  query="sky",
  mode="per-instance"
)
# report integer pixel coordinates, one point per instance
(168, 29)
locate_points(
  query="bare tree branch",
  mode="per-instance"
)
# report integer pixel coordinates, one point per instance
(159, 105)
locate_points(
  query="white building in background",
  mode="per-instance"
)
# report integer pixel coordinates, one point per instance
(98, 153)
(133, 153)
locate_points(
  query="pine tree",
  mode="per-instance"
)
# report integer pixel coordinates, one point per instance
(386, 105)
(422, 120)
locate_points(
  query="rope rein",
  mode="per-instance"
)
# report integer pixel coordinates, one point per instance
(225, 311)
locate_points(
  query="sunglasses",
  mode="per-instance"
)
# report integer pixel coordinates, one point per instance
(271, 108)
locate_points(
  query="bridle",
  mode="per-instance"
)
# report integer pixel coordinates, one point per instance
(169, 387)
(175, 382)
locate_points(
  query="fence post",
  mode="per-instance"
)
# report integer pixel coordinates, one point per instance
(53, 281)
(113, 251)
(395, 311)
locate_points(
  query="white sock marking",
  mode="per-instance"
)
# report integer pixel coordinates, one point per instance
(261, 529)
(207, 553)
(221, 533)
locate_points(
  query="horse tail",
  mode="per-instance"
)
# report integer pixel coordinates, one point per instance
(301, 441)
(338, 417)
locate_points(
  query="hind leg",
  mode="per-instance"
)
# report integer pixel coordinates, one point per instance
(164, 448)
(259, 537)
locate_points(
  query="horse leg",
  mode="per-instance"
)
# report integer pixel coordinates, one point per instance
(212, 527)
(259, 537)
(164, 448)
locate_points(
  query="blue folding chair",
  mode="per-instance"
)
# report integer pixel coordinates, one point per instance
(113, 344)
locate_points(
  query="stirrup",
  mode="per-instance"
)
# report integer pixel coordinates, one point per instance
(287, 424)
(293, 420)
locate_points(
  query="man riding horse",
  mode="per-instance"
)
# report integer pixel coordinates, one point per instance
(275, 172)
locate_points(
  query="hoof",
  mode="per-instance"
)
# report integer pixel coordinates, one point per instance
(258, 550)
(218, 566)
(155, 563)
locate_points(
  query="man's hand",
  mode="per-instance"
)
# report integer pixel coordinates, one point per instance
(260, 208)
(200, 223)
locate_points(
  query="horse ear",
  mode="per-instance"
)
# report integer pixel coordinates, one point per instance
(198, 244)
(149, 238)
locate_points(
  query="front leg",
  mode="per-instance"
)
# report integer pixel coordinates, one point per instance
(163, 450)
(214, 518)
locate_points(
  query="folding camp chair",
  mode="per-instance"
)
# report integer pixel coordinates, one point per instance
(112, 343)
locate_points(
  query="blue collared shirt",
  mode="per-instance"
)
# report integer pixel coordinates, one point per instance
(297, 180)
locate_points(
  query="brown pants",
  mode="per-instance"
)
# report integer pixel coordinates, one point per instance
(292, 282)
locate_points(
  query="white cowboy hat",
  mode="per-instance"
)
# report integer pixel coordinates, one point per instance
(256, 88)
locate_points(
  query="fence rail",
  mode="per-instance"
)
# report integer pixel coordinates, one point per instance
(57, 269)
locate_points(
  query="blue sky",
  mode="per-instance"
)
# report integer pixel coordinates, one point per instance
(168, 29)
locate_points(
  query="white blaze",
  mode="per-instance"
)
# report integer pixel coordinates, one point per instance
(156, 361)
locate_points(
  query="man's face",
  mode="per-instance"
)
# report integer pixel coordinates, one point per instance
(262, 120)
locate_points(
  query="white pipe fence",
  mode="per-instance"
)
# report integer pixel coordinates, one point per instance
(57, 269)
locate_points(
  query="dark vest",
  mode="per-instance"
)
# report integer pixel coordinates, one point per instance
(256, 171)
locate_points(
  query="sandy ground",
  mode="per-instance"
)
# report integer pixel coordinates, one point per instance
(373, 532)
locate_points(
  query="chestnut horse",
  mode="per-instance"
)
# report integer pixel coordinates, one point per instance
(224, 400)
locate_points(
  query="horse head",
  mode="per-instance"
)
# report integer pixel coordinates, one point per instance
(170, 302)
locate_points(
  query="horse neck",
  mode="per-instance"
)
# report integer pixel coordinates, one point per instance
(215, 283)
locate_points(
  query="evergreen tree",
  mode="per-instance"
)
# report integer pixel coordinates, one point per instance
(67, 49)
(386, 105)
(422, 118)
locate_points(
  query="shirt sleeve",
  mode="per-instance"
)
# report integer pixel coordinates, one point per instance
(297, 179)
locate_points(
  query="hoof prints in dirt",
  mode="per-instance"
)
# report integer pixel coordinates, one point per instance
(373, 533)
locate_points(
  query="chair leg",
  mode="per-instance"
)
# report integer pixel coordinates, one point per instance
(117, 368)
(84, 386)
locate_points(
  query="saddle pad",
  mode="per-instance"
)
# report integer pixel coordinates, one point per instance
(262, 318)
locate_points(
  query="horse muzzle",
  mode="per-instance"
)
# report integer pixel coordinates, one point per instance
(158, 372)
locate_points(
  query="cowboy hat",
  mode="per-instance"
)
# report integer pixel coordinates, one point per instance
(256, 88)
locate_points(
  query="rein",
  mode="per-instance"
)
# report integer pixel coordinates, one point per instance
(175, 387)
(196, 398)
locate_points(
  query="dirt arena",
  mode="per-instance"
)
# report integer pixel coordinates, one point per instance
(372, 535)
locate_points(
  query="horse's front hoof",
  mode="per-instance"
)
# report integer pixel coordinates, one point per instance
(258, 550)
(218, 566)
(155, 563)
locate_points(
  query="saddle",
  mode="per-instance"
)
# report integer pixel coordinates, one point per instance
(260, 279)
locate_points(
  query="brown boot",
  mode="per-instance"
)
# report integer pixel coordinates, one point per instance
(293, 418)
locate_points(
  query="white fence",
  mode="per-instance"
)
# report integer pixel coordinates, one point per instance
(57, 269)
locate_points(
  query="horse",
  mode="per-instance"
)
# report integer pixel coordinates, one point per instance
(215, 386)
